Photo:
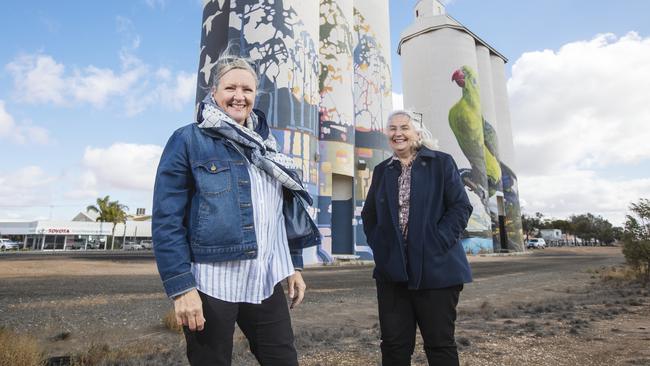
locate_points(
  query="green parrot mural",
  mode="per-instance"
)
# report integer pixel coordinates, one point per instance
(478, 140)
(492, 158)
(476, 137)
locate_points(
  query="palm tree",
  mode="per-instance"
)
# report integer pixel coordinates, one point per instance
(109, 211)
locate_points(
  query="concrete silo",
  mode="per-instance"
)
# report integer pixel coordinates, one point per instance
(282, 37)
(513, 225)
(325, 88)
(449, 81)
(336, 146)
(372, 100)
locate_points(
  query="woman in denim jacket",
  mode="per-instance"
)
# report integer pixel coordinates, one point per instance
(229, 224)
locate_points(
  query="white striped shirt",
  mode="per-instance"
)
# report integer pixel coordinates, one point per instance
(253, 280)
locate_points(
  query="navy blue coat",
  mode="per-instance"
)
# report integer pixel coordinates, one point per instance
(438, 214)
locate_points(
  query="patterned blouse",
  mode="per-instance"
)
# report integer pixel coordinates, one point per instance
(404, 201)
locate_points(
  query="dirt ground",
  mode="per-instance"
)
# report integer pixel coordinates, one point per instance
(551, 307)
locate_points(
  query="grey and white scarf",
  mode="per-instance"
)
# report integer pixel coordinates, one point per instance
(263, 153)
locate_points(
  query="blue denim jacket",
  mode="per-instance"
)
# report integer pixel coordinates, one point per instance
(202, 209)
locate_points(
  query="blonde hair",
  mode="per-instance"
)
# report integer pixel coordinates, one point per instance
(426, 137)
(228, 61)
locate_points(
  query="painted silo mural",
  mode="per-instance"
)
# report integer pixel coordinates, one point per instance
(440, 83)
(336, 115)
(325, 88)
(324, 85)
(372, 75)
(513, 224)
(448, 76)
(282, 37)
(336, 71)
(495, 186)
(372, 100)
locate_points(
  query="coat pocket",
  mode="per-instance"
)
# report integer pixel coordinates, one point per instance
(212, 177)
(438, 243)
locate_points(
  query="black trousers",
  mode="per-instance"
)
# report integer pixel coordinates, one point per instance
(267, 326)
(432, 310)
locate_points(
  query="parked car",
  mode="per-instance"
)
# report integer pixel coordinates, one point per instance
(131, 245)
(536, 243)
(95, 244)
(146, 244)
(77, 244)
(6, 244)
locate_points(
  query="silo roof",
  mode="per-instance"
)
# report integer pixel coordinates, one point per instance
(436, 22)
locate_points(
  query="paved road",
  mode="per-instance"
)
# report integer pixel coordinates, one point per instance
(113, 255)
(547, 266)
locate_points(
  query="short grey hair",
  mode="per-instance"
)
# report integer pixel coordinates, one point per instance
(228, 62)
(426, 137)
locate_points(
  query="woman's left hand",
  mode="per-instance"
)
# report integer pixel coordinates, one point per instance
(297, 288)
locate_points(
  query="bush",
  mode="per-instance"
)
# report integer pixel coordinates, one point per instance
(19, 350)
(637, 255)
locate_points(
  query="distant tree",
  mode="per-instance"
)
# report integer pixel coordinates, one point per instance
(604, 230)
(587, 226)
(584, 226)
(636, 239)
(638, 223)
(530, 224)
(109, 211)
(618, 233)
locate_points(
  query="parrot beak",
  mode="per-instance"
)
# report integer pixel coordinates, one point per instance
(459, 78)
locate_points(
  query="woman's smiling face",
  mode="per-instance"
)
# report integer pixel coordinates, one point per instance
(235, 94)
(401, 134)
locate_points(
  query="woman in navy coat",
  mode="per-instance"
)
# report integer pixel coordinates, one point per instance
(414, 217)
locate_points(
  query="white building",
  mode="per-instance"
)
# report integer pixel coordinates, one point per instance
(58, 234)
(551, 234)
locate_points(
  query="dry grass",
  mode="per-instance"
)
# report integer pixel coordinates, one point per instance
(103, 354)
(617, 274)
(74, 267)
(19, 350)
(169, 321)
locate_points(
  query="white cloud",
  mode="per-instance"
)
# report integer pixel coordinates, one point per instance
(20, 133)
(586, 104)
(24, 187)
(126, 28)
(38, 79)
(86, 187)
(95, 85)
(398, 101)
(180, 92)
(156, 3)
(171, 92)
(578, 112)
(580, 191)
(120, 166)
(7, 124)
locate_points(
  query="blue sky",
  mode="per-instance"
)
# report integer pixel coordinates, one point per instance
(90, 91)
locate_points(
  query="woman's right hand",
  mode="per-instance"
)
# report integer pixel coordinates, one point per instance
(189, 310)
